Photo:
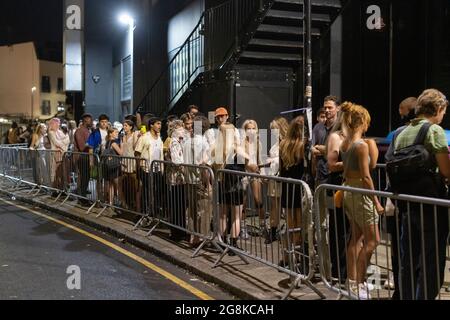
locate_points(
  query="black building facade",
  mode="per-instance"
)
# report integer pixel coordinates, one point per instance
(376, 67)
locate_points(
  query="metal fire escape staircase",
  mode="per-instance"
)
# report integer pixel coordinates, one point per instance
(239, 32)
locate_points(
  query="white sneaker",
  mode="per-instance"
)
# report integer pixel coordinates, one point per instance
(244, 234)
(359, 291)
(369, 286)
(389, 283)
(363, 293)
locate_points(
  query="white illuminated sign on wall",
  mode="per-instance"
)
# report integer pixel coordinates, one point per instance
(73, 45)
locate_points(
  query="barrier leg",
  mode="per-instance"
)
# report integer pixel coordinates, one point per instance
(152, 229)
(31, 191)
(39, 191)
(65, 200)
(59, 196)
(221, 257)
(200, 247)
(101, 212)
(92, 207)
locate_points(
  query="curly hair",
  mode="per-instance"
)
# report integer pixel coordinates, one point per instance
(354, 116)
(429, 103)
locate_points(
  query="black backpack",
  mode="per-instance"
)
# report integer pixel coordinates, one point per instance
(110, 157)
(408, 167)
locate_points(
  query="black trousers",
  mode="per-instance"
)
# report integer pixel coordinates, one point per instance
(423, 244)
(83, 175)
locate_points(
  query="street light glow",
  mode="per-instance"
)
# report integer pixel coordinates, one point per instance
(33, 89)
(126, 19)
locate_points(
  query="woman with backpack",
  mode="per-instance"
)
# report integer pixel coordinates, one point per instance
(112, 164)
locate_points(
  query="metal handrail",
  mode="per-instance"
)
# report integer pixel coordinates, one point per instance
(221, 28)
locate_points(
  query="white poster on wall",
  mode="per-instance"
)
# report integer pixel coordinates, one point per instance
(73, 44)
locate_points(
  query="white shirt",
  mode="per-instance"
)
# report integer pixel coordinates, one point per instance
(104, 133)
(196, 151)
(150, 149)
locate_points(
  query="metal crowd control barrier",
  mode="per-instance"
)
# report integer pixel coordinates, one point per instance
(181, 197)
(17, 145)
(380, 177)
(47, 171)
(118, 185)
(288, 244)
(363, 263)
(9, 166)
(81, 171)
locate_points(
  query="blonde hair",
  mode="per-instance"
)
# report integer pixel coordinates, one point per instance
(174, 125)
(39, 129)
(111, 130)
(292, 147)
(354, 116)
(282, 125)
(429, 103)
(247, 142)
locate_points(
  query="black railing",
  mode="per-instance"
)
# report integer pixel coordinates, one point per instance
(216, 37)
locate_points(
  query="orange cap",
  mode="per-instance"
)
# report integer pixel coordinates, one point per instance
(221, 112)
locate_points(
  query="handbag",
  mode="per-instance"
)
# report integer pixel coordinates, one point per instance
(111, 161)
(339, 199)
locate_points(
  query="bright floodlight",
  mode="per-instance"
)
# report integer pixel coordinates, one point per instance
(125, 18)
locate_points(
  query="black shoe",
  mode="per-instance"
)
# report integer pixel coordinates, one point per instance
(271, 236)
(283, 264)
(233, 243)
(84, 203)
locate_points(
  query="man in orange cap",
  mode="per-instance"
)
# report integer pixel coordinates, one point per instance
(221, 116)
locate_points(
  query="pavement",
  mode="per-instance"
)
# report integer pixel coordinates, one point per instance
(253, 281)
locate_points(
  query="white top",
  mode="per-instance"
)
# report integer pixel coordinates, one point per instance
(104, 133)
(176, 151)
(59, 140)
(150, 149)
(212, 134)
(128, 153)
(274, 158)
(196, 151)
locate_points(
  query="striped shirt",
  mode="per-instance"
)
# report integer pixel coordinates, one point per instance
(435, 142)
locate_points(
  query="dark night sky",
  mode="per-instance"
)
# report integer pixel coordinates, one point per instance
(33, 20)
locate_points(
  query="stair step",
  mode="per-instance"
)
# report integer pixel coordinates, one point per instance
(276, 43)
(316, 3)
(284, 29)
(271, 56)
(295, 15)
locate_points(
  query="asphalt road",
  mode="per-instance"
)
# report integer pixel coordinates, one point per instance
(35, 254)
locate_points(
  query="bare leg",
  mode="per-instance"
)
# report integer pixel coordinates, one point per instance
(371, 240)
(353, 251)
(236, 221)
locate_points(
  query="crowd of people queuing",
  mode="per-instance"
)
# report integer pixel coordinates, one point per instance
(340, 155)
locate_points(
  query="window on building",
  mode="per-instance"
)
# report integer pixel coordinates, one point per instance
(46, 108)
(61, 107)
(60, 85)
(45, 84)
